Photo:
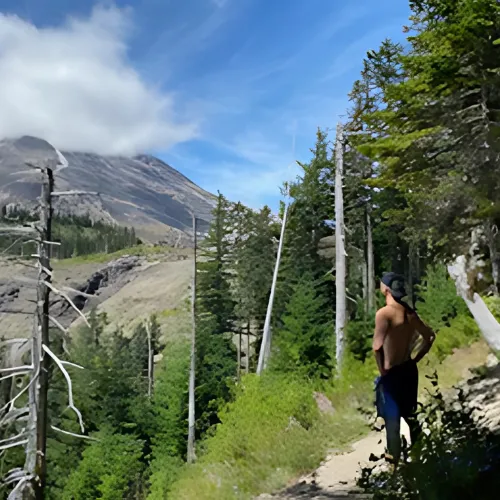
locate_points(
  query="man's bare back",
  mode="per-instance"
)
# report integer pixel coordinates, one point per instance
(397, 330)
(397, 327)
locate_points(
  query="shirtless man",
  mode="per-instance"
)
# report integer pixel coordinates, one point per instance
(396, 328)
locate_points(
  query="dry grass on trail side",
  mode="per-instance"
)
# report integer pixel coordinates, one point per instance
(454, 368)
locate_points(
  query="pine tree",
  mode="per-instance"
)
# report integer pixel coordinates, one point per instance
(215, 322)
(304, 344)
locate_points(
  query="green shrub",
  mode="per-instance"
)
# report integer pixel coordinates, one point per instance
(438, 302)
(359, 333)
(170, 408)
(273, 431)
(461, 332)
(493, 304)
(110, 469)
(267, 428)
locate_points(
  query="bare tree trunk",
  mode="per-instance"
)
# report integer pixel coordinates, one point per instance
(43, 297)
(247, 366)
(191, 456)
(340, 254)
(411, 261)
(150, 360)
(238, 354)
(364, 271)
(371, 266)
(489, 326)
(491, 237)
(265, 348)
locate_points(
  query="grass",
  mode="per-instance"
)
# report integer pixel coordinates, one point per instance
(139, 250)
(274, 432)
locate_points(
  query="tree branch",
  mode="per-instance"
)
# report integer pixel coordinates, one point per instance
(18, 436)
(68, 363)
(16, 230)
(73, 434)
(13, 445)
(70, 302)
(15, 375)
(16, 368)
(14, 415)
(70, 385)
(20, 393)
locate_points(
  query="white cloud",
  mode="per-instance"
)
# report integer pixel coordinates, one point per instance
(73, 86)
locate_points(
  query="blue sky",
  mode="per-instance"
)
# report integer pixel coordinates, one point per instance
(249, 74)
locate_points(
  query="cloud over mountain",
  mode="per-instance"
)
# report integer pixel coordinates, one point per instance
(74, 86)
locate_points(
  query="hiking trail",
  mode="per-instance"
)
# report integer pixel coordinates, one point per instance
(336, 477)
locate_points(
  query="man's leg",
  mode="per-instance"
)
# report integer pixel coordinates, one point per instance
(415, 428)
(390, 412)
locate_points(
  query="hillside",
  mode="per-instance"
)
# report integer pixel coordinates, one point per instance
(128, 288)
(142, 191)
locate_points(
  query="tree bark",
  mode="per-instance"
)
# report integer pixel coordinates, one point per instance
(238, 354)
(150, 360)
(340, 255)
(370, 262)
(364, 272)
(43, 297)
(247, 366)
(191, 456)
(491, 236)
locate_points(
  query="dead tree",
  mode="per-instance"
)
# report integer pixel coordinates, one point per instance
(462, 271)
(370, 262)
(340, 253)
(29, 482)
(265, 349)
(191, 455)
(150, 358)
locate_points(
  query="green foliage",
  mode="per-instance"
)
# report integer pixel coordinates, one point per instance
(78, 236)
(359, 333)
(170, 408)
(438, 302)
(312, 207)
(272, 431)
(110, 469)
(493, 304)
(461, 332)
(215, 373)
(304, 344)
(213, 288)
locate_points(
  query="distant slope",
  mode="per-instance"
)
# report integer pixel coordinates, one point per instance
(142, 191)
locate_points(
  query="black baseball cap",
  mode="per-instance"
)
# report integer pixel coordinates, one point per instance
(395, 283)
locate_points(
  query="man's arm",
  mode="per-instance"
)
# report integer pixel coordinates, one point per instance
(381, 329)
(428, 337)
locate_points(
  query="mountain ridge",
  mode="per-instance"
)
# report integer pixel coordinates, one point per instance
(141, 191)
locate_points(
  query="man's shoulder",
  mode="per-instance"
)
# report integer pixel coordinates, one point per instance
(383, 312)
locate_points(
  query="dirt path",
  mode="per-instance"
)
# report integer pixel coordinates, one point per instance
(336, 477)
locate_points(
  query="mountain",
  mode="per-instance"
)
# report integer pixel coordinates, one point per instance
(140, 191)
